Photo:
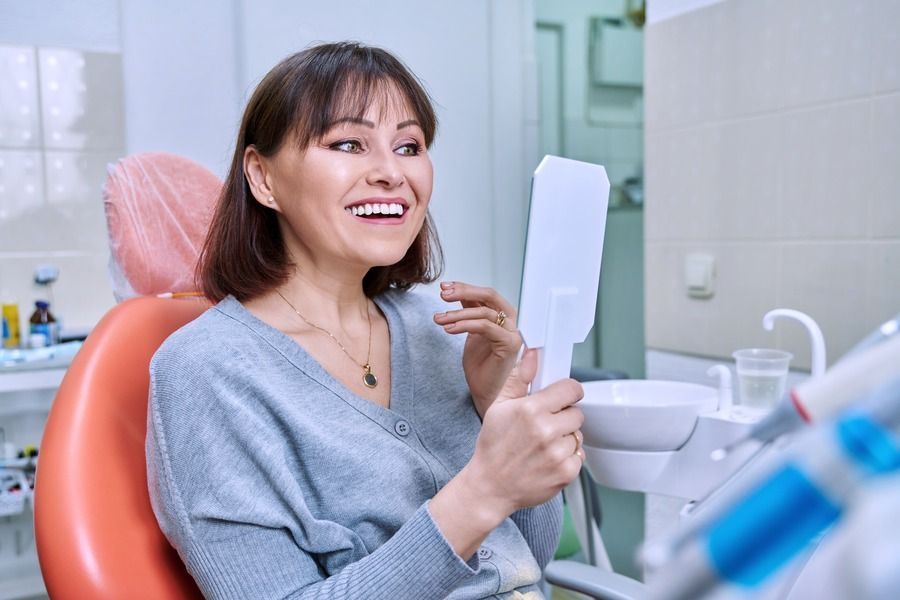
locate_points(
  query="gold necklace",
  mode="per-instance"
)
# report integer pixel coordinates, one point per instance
(369, 379)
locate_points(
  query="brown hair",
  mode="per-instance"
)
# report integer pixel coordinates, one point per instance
(244, 254)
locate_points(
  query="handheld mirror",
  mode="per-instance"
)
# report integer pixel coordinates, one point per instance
(561, 274)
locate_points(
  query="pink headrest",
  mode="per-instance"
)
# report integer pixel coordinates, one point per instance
(158, 210)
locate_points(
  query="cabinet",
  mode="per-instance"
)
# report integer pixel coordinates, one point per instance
(616, 54)
(26, 394)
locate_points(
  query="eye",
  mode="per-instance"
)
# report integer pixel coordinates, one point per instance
(410, 149)
(351, 146)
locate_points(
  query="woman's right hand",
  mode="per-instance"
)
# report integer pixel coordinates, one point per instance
(527, 449)
(525, 454)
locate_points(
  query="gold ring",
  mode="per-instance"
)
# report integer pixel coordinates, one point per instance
(577, 443)
(501, 318)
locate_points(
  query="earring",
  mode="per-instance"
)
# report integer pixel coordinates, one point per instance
(271, 200)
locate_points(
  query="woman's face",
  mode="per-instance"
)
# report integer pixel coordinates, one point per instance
(358, 196)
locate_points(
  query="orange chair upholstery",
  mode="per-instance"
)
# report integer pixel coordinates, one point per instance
(97, 536)
(96, 533)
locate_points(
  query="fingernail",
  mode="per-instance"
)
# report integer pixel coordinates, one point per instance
(439, 315)
(449, 327)
(446, 284)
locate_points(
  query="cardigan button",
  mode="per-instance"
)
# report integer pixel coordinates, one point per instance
(484, 553)
(402, 428)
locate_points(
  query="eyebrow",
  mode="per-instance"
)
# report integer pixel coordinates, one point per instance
(368, 123)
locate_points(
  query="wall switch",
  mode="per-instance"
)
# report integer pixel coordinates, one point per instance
(700, 275)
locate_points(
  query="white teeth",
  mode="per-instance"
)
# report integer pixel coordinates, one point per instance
(377, 209)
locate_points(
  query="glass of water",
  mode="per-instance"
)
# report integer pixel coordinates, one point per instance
(762, 374)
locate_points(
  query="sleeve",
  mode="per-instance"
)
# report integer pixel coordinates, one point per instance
(541, 526)
(255, 561)
(217, 489)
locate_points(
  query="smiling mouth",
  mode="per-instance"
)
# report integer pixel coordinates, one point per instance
(379, 211)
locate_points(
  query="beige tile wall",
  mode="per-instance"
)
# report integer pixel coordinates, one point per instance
(773, 143)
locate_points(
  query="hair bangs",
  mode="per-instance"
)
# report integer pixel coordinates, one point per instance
(350, 88)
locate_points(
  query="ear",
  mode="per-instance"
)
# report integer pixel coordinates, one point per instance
(257, 170)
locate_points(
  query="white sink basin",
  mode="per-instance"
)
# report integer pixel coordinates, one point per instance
(643, 415)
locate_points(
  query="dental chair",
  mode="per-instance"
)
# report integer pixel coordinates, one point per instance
(97, 536)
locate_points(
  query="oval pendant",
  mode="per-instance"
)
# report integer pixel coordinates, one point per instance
(369, 379)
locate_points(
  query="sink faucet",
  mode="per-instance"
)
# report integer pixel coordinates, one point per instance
(816, 339)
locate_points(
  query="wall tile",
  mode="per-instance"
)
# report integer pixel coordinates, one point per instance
(78, 177)
(685, 103)
(884, 158)
(19, 116)
(695, 156)
(758, 42)
(882, 283)
(828, 281)
(824, 157)
(72, 217)
(687, 69)
(81, 100)
(77, 227)
(659, 83)
(21, 190)
(747, 190)
(657, 182)
(885, 48)
(817, 68)
(747, 277)
(746, 288)
(662, 285)
(707, 56)
(799, 179)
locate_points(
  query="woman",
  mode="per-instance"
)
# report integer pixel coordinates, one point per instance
(320, 433)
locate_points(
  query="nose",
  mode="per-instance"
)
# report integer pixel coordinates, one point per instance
(385, 170)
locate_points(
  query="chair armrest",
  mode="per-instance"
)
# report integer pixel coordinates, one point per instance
(595, 582)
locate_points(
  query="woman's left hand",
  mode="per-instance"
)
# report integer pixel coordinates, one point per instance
(493, 342)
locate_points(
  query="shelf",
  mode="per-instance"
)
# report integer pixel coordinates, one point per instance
(38, 379)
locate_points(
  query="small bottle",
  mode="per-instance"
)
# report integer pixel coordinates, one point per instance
(42, 321)
(11, 335)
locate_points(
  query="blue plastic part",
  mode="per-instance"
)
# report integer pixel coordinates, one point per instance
(872, 447)
(775, 522)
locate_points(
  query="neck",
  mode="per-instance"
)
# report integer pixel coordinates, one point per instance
(327, 299)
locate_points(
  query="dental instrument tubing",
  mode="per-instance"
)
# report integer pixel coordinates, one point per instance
(790, 506)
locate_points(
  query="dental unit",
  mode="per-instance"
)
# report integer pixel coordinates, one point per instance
(666, 437)
(782, 510)
(757, 498)
(807, 403)
(853, 377)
